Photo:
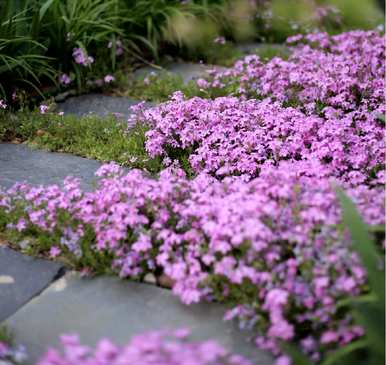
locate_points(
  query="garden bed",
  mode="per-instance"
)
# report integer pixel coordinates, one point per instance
(238, 202)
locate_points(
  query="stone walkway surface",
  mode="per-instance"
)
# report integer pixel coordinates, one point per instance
(249, 48)
(104, 105)
(21, 163)
(98, 104)
(117, 309)
(21, 278)
(188, 71)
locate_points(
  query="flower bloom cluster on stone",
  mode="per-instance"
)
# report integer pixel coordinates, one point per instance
(159, 347)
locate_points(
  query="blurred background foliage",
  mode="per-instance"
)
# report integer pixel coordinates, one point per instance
(37, 37)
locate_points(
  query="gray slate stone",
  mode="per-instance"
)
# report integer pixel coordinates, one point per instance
(109, 307)
(104, 105)
(188, 71)
(98, 104)
(21, 278)
(21, 163)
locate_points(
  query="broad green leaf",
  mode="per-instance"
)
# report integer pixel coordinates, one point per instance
(296, 355)
(371, 317)
(337, 357)
(363, 244)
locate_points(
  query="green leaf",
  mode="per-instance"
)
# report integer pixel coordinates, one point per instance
(298, 358)
(44, 8)
(371, 317)
(363, 244)
(381, 118)
(332, 358)
(350, 301)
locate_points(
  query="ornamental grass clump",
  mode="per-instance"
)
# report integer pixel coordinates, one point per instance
(157, 347)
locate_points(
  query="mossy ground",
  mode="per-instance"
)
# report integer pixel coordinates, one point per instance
(103, 139)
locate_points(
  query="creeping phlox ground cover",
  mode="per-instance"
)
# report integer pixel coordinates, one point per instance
(229, 136)
(158, 347)
(245, 212)
(323, 74)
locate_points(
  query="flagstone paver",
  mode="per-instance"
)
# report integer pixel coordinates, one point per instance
(98, 104)
(188, 71)
(103, 105)
(21, 163)
(21, 278)
(109, 307)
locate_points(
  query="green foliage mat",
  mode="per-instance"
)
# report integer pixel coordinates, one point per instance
(103, 139)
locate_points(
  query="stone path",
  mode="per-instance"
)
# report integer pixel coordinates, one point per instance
(98, 104)
(22, 278)
(38, 304)
(94, 308)
(21, 163)
(117, 309)
(103, 105)
(248, 48)
(188, 71)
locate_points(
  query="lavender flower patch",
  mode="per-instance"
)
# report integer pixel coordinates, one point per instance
(251, 219)
(11, 355)
(343, 72)
(229, 136)
(273, 246)
(159, 347)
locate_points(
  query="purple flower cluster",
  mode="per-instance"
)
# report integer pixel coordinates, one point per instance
(43, 109)
(229, 136)
(343, 72)
(259, 225)
(274, 245)
(81, 57)
(11, 355)
(107, 79)
(161, 348)
(64, 79)
(119, 50)
(219, 40)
